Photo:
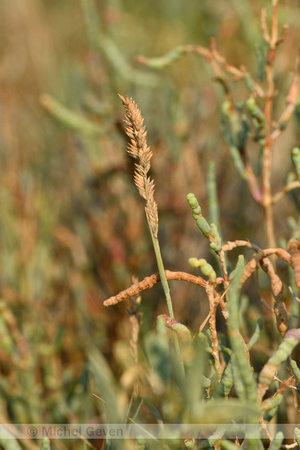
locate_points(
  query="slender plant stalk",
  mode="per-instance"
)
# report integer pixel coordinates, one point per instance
(161, 271)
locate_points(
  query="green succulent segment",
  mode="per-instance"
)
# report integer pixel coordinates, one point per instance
(209, 231)
(285, 349)
(256, 334)
(165, 60)
(205, 268)
(242, 369)
(213, 206)
(46, 444)
(8, 440)
(258, 118)
(296, 160)
(227, 445)
(297, 435)
(197, 215)
(238, 162)
(235, 126)
(272, 403)
(226, 383)
(277, 441)
(237, 272)
(217, 237)
(296, 370)
(69, 118)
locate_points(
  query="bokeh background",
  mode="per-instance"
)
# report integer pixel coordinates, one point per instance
(72, 226)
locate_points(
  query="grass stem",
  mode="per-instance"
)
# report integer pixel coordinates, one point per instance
(161, 271)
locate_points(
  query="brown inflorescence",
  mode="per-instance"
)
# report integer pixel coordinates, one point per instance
(140, 151)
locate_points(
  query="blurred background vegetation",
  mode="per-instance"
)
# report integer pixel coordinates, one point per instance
(72, 226)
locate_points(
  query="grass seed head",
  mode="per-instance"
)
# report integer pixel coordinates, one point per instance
(139, 150)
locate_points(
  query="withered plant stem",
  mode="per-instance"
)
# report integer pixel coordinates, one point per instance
(213, 303)
(277, 291)
(149, 282)
(272, 40)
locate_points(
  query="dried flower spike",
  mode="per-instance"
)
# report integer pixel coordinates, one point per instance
(140, 151)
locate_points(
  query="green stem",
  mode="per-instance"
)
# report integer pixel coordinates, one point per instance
(161, 271)
(165, 285)
(240, 361)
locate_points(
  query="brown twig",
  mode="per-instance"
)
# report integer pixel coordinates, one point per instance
(291, 102)
(277, 290)
(273, 41)
(213, 299)
(294, 249)
(267, 151)
(251, 266)
(263, 25)
(253, 185)
(149, 282)
(276, 284)
(279, 252)
(204, 323)
(225, 275)
(219, 65)
(280, 195)
(230, 245)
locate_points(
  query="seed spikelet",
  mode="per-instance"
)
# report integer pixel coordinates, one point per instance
(139, 150)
